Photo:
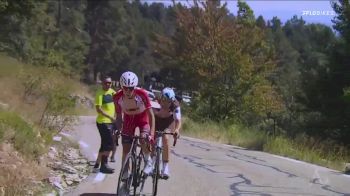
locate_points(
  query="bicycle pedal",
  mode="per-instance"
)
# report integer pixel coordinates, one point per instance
(165, 177)
(146, 175)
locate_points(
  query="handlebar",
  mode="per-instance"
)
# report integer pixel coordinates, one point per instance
(161, 133)
(130, 136)
(158, 134)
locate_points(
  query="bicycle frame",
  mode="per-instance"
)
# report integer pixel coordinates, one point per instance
(136, 160)
(158, 149)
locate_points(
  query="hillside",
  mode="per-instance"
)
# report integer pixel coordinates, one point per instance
(35, 104)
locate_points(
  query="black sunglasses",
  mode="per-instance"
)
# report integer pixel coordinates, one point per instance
(128, 88)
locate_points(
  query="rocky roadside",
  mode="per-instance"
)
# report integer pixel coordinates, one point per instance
(347, 168)
(56, 172)
(67, 166)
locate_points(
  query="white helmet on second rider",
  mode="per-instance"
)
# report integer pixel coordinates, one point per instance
(129, 79)
(168, 93)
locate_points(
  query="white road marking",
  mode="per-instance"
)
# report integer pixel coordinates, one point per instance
(57, 138)
(99, 177)
(83, 144)
(317, 176)
(289, 159)
(320, 168)
(66, 134)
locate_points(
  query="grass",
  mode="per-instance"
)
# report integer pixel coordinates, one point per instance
(15, 78)
(23, 138)
(324, 153)
(19, 172)
(234, 134)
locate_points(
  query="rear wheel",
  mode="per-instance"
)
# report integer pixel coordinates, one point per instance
(156, 174)
(125, 184)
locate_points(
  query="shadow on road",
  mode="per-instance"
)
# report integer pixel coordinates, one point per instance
(97, 194)
(110, 194)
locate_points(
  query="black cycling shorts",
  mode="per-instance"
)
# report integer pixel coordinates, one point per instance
(106, 133)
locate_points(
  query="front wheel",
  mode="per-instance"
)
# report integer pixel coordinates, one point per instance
(124, 184)
(138, 178)
(156, 173)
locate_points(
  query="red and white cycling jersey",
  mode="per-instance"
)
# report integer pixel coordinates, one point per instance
(134, 110)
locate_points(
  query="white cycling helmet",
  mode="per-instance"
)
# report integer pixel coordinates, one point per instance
(129, 79)
(168, 93)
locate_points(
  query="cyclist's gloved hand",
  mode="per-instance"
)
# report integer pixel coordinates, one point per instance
(151, 139)
(176, 134)
(116, 132)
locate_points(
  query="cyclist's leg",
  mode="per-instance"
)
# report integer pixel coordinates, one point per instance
(126, 142)
(128, 128)
(145, 132)
(166, 149)
(166, 152)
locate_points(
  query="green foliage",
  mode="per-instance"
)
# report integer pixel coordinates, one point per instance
(249, 138)
(225, 132)
(260, 22)
(25, 138)
(58, 103)
(228, 57)
(243, 69)
(305, 148)
(308, 149)
(245, 14)
(342, 19)
(44, 38)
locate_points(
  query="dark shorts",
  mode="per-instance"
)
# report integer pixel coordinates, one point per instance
(106, 133)
(128, 139)
(145, 131)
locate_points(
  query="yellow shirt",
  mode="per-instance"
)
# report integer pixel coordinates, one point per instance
(105, 100)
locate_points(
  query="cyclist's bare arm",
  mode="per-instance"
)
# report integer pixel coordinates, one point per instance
(177, 126)
(151, 120)
(178, 123)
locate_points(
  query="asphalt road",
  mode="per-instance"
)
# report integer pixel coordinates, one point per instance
(204, 168)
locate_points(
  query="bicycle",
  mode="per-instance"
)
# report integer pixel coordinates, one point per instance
(132, 160)
(158, 154)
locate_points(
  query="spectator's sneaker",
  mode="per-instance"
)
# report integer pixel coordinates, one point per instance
(165, 171)
(95, 170)
(109, 167)
(106, 170)
(148, 167)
